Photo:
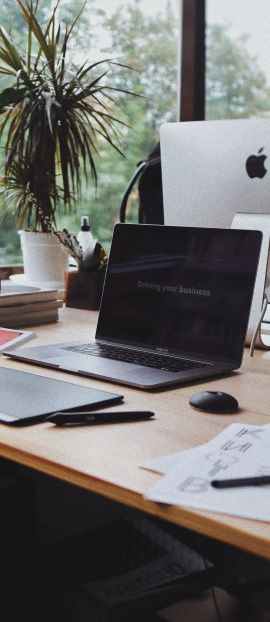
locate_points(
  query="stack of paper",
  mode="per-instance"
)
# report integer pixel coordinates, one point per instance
(21, 305)
(241, 450)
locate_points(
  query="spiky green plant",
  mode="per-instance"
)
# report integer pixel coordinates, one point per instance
(53, 115)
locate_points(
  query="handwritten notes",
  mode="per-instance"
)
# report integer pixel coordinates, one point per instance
(241, 450)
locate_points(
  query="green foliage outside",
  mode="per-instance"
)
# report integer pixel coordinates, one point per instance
(235, 88)
(154, 77)
(149, 46)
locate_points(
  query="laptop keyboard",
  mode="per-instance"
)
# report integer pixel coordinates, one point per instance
(137, 357)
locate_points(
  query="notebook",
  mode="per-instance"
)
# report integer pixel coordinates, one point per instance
(29, 398)
(174, 309)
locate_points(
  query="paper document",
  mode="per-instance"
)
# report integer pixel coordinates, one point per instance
(241, 450)
(166, 463)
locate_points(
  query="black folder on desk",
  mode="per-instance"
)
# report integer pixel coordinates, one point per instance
(28, 398)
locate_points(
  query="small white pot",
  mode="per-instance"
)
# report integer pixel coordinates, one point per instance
(45, 259)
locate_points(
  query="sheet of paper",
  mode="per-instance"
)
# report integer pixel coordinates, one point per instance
(164, 464)
(241, 450)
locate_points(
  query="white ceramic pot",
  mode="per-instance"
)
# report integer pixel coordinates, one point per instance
(45, 259)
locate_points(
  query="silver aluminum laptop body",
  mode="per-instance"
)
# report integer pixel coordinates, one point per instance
(178, 295)
(213, 169)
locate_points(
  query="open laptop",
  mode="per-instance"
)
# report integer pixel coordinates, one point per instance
(213, 169)
(174, 309)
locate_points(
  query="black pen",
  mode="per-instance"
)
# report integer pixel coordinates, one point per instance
(260, 480)
(68, 418)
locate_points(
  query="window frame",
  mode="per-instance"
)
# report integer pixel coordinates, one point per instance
(192, 66)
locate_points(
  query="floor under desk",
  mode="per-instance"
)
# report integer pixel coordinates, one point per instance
(63, 510)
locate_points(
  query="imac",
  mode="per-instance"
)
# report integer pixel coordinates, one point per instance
(215, 170)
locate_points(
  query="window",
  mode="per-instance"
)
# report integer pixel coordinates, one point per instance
(225, 59)
(134, 33)
(237, 59)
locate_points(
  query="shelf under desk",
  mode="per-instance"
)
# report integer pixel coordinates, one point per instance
(106, 460)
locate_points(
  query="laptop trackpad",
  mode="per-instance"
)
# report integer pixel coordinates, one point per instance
(115, 371)
(93, 364)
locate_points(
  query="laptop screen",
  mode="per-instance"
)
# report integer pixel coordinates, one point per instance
(181, 290)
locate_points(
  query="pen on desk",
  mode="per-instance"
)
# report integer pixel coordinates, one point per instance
(64, 418)
(260, 480)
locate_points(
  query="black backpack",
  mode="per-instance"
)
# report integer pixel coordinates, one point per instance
(148, 174)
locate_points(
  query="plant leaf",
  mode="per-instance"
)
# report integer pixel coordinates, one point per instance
(10, 96)
(13, 58)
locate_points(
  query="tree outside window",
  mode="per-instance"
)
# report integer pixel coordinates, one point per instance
(147, 42)
(145, 35)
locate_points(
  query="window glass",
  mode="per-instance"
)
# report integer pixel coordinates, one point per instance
(144, 35)
(237, 59)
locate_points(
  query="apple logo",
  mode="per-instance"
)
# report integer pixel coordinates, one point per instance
(255, 165)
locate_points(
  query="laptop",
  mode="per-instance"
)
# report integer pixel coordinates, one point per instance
(174, 309)
(213, 169)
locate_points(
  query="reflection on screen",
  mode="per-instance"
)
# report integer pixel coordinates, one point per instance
(180, 289)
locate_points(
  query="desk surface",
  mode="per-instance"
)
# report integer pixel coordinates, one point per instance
(105, 460)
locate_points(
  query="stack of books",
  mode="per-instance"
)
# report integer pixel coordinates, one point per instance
(21, 305)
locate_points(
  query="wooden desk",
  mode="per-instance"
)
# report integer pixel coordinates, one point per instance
(106, 460)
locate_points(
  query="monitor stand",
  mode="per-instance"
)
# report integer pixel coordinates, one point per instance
(259, 222)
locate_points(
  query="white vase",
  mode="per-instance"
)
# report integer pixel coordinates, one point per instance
(45, 260)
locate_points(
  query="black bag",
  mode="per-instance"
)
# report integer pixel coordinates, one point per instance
(148, 173)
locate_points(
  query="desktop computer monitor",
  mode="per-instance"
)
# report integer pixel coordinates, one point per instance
(212, 170)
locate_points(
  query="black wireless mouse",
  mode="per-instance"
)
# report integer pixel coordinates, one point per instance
(214, 402)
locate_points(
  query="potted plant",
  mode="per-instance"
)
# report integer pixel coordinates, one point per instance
(52, 116)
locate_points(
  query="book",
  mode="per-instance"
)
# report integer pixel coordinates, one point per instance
(23, 305)
(27, 319)
(17, 311)
(12, 294)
